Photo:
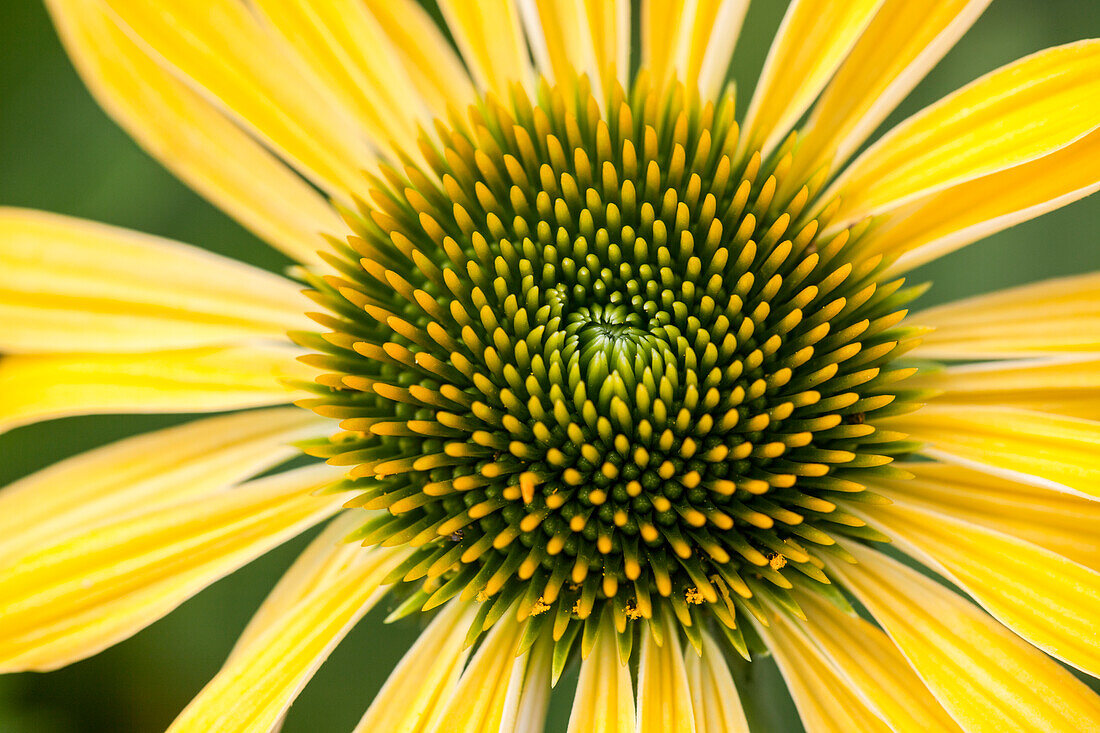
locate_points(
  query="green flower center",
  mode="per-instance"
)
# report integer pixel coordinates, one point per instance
(589, 359)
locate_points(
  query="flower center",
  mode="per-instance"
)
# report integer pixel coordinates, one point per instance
(588, 360)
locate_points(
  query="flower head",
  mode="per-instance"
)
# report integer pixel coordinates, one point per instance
(601, 375)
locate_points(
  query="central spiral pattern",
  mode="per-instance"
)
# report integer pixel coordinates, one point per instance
(590, 359)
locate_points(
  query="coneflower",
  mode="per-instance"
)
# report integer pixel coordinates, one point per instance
(601, 375)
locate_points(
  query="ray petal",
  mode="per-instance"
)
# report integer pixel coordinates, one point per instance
(311, 614)
(1014, 115)
(604, 702)
(1064, 386)
(986, 677)
(425, 677)
(903, 42)
(191, 136)
(1038, 448)
(479, 700)
(825, 701)
(1048, 599)
(1060, 316)
(490, 36)
(814, 39)
(71, 598)
(70, 285)
(874, 667)
(664, 697)
(714, 698)
(206, 379)
(138, 474)
(226, 54)
(1060, 522)
(350, 53)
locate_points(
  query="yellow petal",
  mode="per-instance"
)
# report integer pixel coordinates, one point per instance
(561, 39)
(1049, 600)
(192, 137)
(264, 674)
(72, 285)
(943, 222)
(207, 379)
(986, 677)
(610, 21)
(1058, 316)
(1037, 448)
(711, 43)
(490, 36)
(814, 39)
(1068, 387)
(692, 41)
(604, 701)
(529, 690)
(573, 37)
(664, 698)
(323, 561)
(825, 701)
(1058, 521)
(478, 701)
(349, 52)
(660, 20)
(148, 471)
(425, 677)
(714, 699)
(874, 667)
(903, 42)
(220, 46)
(69, 599)
(1016, 114)
(435, 70)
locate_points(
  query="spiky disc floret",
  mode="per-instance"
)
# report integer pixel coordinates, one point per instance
(587, 361)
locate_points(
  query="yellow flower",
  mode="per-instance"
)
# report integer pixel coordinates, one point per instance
(603, 377)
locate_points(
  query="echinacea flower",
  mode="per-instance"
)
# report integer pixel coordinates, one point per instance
(601, 375)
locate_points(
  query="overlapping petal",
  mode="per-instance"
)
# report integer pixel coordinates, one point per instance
(1048, 599)
(825, 701)
(350, 55)
(902, 43)
(490, 36)
(425, 677)
(72, 597)
(224, 52)
(561, 39)
(139, 474)
(308, 615)
(691, 42)
(1064, 386)
(986, 677)
(938, 224)
(69, 285)
(814, 39)
(205, 379)
(435, 70)
(604, 702)
(664, 697)
(529, 690)
(1014, 115)
(1051, 317)
(1060, 522)
(714, 699)
(191, 136)
(1038, 448)
(479, 701)
(874, 668)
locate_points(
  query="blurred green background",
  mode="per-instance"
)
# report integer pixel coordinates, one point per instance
(59, 152)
